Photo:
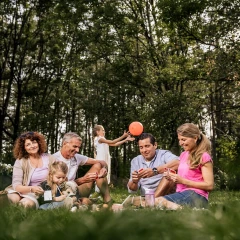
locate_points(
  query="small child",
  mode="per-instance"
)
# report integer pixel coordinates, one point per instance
(101, 145)
(53, 186)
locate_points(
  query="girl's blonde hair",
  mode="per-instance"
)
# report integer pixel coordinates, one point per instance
(202, 145)
(54, 167)
(97, 128)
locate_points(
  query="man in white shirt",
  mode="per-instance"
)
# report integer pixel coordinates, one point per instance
(68, 153)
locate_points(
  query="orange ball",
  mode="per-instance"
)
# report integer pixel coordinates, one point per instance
(135, 128)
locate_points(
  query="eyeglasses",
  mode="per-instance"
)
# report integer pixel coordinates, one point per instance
(27, 134)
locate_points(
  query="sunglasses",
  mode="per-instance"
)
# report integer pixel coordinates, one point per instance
(27, 134)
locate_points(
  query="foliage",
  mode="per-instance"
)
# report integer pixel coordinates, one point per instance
(67, 65)
(227, 174)
(6, 168)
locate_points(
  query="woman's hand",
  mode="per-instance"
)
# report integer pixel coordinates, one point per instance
(37, 190)
(175, 178)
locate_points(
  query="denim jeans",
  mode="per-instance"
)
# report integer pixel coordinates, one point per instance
(51, 205)
(189, 198)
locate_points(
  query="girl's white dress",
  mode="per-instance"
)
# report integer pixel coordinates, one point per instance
(102, 153)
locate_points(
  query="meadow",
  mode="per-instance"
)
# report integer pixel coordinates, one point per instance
(220, 221)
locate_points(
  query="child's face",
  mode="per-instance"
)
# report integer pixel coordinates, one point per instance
(59, 177)
(101, 132)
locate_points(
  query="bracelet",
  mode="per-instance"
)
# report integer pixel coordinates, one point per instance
(30, 189)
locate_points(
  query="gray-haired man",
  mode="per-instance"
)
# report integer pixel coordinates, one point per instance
(68, 153)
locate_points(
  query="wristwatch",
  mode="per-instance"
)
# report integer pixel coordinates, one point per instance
(155, 171)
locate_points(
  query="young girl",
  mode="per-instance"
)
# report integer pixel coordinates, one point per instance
(195, 172)
(101, 145)
(53, 186)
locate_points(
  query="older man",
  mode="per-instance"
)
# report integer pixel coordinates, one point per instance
(68, 153)
(147, 169)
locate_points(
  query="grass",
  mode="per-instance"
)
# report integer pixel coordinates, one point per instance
(221, 221)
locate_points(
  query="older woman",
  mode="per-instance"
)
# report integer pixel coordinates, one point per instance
(30, 169)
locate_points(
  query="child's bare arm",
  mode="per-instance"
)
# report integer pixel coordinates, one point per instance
(59, 199)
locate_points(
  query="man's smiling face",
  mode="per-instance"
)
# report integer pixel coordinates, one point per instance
(147, 149)
(70, 148)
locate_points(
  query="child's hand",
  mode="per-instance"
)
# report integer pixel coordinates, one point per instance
(129, 138)
(60, 198)
(126, 134)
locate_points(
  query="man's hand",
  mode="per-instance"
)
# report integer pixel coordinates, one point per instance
(102, 173)
(135, 177)
(145, 173)
(103, 163)
(88, 177)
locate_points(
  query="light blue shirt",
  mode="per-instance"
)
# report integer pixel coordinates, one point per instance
(161, 157)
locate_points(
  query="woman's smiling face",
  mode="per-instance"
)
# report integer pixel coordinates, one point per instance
(31, 147)
(187, 143)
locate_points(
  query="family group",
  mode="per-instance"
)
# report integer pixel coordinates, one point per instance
(40, 179)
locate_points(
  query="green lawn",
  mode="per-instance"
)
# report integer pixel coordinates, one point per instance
(221, 221)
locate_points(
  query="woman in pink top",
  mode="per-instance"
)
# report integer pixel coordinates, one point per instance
(195, 172)
(30, 169)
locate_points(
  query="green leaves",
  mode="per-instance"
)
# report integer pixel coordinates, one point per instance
(67, 65)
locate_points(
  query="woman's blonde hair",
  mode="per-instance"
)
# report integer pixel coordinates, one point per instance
(53, 168)
(202, 145)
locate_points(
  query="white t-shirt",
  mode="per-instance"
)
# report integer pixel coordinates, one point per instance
(72, 163)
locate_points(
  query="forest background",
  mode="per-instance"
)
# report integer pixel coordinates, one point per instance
(68, 65)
